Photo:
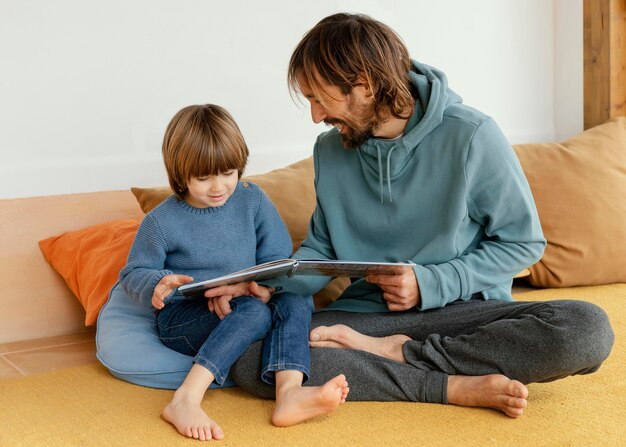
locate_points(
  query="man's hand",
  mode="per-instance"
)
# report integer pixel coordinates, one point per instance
(400, 291)
(167, 284)
(219, 297)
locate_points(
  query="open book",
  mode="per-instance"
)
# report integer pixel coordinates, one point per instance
(290, 267)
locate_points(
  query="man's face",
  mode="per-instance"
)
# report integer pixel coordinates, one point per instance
(352, 114)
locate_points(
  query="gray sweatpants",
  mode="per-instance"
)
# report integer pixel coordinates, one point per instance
(525, 341)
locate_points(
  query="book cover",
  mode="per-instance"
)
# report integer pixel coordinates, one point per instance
(290, 267)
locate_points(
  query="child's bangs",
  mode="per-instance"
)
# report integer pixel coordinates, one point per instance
(216, 160)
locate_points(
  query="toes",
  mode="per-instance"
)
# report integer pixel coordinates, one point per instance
(513, 406)
(218, 433)
(204, 434)
(339, 381)
(338, 333)
(344, 394)
(316, 334)
(517, 389)
(516, 402)
(514, 412)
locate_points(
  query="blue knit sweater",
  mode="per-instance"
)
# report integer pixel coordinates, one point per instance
(203, 243)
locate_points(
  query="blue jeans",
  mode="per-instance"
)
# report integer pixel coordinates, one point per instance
(188, 327)
(286, 346)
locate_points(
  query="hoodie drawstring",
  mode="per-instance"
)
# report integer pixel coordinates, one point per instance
(380, 173)
(389, 171)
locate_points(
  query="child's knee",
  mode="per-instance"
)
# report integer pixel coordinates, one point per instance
(291, 304)
(252, 307)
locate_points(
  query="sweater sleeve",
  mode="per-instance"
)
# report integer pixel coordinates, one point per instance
(500, 200)
(145, 265)
(273, 240)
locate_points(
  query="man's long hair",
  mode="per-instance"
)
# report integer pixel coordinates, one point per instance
(342, 48)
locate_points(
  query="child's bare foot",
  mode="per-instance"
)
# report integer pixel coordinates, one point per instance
(190, 419)
(491, 391)
(341, 336)
(299, 403)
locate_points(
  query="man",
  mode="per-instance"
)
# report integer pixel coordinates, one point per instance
(409, 173)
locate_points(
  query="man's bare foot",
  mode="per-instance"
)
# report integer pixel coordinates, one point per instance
(341, 336)
(190, 419)
(491, 391)
(298, 403)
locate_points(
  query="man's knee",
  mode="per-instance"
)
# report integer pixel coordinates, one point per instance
(590, 336)
(600, 333)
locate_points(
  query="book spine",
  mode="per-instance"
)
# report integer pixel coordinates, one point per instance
(293, 269)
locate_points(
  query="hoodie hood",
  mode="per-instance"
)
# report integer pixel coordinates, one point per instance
(386, 159)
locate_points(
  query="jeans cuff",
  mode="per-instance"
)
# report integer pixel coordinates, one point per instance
(268, 377)
(219, 378)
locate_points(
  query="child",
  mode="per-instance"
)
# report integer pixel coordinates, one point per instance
(211, 226)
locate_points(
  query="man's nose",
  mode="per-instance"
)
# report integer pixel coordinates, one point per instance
(317, 113)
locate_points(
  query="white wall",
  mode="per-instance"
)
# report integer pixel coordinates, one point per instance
(568, 68)
(87, 87)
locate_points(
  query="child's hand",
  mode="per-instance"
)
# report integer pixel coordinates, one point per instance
(261, 292)
(167, 284)
(219, 297)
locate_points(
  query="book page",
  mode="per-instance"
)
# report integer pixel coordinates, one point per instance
(350, 269)
(290, 267)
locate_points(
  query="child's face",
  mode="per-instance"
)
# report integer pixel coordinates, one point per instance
(213, 190)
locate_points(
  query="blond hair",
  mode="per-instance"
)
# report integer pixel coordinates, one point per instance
(202, 140)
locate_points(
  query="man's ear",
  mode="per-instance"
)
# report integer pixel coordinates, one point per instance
(363, 83)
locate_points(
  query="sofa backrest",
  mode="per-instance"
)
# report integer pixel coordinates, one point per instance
(36, 302)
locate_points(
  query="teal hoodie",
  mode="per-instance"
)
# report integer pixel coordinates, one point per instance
(449, 196)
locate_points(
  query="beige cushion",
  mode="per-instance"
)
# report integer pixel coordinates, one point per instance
(580, 191)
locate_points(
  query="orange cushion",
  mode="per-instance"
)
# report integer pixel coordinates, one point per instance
(90, 259)
(579, 187)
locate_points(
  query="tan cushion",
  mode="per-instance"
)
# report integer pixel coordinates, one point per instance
(149, 198)
(580, 191)
(290, 189)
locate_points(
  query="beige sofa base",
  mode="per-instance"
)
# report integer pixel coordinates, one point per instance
(36, 302)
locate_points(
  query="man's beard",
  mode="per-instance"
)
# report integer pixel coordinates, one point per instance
(353, 137)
